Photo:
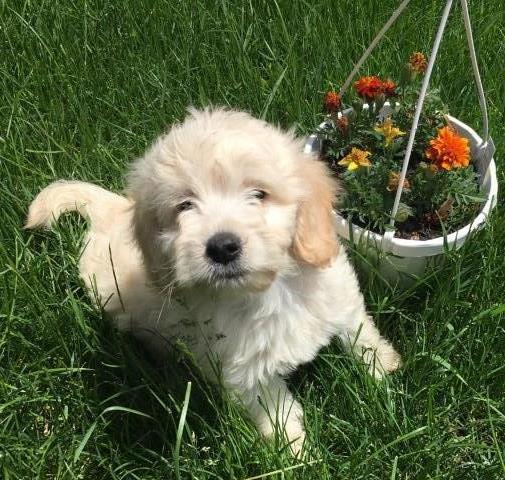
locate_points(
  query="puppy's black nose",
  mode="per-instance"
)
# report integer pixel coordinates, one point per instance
(223, 247)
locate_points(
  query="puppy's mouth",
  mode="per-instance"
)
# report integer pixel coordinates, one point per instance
(227, 274)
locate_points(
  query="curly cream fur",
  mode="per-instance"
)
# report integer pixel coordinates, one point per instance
(298, 290)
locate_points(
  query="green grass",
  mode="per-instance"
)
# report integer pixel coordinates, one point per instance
(84, 87)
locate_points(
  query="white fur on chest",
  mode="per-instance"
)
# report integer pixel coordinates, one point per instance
(258, 335)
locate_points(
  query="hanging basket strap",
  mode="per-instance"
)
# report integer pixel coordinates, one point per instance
(475, 68)
(419, 107)
(372, 45)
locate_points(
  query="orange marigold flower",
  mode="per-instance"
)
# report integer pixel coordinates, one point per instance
(417, 62)
(448, 150)
(332, 102)
(389, 88)
(368, 87)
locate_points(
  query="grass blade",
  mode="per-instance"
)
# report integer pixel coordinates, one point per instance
(180, 429)
(84, 441)
(272, 94)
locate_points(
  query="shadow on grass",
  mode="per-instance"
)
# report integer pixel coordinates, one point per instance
(142, 396)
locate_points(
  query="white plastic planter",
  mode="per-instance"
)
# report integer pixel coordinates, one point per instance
(396, 255)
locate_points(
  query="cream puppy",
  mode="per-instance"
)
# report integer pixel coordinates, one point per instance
(226, 242)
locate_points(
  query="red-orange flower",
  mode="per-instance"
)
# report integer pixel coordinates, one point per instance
(448, 150)
(389, 88)
(417, 62)
(368, 87)
(332, 101)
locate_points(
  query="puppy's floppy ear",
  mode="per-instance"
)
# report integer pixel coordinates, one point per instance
(315, 241)
(146, 227)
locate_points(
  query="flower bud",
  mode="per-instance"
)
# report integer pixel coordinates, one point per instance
(407, 75)
(379, 101)
(403, 213)
(343, 124)
(429, 169)
(357, 106)
(351, 116)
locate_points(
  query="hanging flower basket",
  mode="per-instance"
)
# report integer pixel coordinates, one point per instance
(446, 176)
(411, 256)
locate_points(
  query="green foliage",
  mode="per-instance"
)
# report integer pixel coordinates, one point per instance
(433, 202)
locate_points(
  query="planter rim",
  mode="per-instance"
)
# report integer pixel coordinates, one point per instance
(423, 248)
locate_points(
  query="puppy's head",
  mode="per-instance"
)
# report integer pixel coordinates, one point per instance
(229, 201)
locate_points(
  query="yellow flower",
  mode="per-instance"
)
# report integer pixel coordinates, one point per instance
(355, 159)
(388, 131)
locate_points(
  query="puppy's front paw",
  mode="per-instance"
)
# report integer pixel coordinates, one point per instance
(293, 432)
(296, 438)
(383, 360)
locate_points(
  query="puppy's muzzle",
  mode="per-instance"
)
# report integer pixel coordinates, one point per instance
(223, 248)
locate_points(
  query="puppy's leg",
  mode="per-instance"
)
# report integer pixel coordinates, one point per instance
(363, 339)
(272, 407)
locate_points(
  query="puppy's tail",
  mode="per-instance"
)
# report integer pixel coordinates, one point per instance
(92, 202)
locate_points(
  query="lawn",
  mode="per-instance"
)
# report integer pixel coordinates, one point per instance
(85, 86)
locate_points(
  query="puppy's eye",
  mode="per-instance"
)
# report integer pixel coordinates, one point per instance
(183, 206)
(259, 194)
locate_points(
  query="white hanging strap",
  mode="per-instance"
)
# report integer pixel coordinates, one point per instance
(374, 43)
(419, 107)
(476, 74)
